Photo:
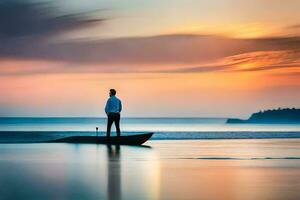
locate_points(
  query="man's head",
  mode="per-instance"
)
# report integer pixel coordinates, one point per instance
(112, 92)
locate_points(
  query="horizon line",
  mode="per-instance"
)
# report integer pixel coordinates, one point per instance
(137, 117)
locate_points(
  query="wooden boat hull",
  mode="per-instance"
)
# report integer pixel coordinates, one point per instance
(122, 140)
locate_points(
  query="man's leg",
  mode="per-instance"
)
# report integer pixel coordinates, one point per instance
(117, 123)
(109, 123)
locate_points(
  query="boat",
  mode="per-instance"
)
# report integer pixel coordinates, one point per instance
(138, 139)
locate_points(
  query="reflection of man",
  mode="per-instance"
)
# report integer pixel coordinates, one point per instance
(113, 109)
(114, 173)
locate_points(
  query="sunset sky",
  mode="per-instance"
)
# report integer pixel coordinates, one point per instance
(179, 58)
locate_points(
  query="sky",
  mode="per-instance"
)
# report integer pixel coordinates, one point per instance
(180, 58)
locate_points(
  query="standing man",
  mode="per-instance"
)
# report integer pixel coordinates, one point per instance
(113, 109)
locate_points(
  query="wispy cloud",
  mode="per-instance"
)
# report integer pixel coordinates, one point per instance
(295, 26)
(268, 60)
(164, 49)
(295, 74)
(39, 20)
(248, 62)
(27, 28)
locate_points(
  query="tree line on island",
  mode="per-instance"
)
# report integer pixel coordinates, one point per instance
(286, 115)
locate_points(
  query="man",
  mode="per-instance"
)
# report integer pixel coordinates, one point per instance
(113, 109)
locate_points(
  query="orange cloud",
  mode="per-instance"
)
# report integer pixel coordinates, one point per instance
(191, 53)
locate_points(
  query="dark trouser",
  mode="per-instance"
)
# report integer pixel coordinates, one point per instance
(113, 117)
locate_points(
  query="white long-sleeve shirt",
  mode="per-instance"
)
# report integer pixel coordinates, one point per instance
(113, 105)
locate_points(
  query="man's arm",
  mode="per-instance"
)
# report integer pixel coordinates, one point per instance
(120, 106)
(107, 107)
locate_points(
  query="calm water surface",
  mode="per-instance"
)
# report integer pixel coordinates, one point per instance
(137, 124)
(42, 129)
(264, 169)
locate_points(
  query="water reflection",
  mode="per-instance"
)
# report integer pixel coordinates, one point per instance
(114, 173)
(141, 177)
(168, 170)
(66, 171)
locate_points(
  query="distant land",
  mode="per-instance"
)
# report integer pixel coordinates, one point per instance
(276, 116)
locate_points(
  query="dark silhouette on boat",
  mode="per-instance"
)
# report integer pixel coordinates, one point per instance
(118, 140)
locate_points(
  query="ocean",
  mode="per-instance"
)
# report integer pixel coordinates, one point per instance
(187, 158)
(41, 129)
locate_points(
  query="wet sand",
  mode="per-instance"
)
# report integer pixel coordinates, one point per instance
(258, 169)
